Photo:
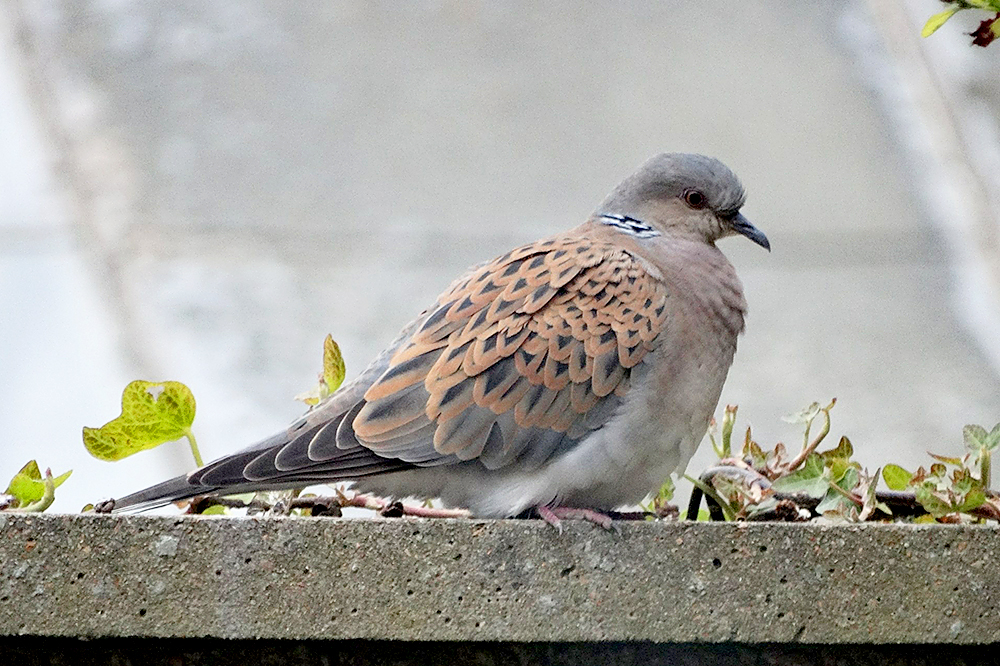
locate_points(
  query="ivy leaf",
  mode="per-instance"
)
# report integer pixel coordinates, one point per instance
(806, 415)
(833, 501)
(850, 479)
(838, 460)
(332, 376)
(993, 438)
(27, 485)
(975, 498)
(152, 413)
(867, 488)
(987, 31)
(843, 450)
(933, 504)
(896, 478)
(807, 479)
(936, 21)
(975, 437)
(333, 364)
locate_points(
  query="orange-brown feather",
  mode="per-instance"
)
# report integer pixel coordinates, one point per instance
(542, 333)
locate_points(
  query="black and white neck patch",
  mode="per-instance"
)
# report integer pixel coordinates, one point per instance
(629, 225)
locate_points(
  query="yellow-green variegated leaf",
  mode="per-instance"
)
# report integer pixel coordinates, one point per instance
(152, 413)
(27, 485)
(936, 21)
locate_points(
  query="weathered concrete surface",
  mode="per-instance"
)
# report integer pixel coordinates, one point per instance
(141, 576)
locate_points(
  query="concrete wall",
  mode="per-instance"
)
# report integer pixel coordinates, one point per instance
(464, 580)
(495, 591)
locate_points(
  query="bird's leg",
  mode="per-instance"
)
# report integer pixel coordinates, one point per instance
(554, 515)
(596, 517)
(549, 516)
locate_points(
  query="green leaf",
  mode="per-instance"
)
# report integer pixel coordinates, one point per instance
(333, 365)
(975, 437)
(808, 479)
(933, 504)
(805, 415)
(217, 510)
(332, 376)
(837, 468)
(850, 479)
(973, 500)
(27, 485)
(896, 478)
(993, 439)
(843, 450)
(833, 501)
(936, 21)
(152, 413)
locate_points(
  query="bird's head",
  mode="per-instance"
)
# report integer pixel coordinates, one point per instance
(682, 196)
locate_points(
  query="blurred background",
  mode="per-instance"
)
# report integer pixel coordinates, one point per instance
(201, 190)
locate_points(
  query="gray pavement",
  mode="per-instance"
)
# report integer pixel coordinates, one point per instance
(242, 178)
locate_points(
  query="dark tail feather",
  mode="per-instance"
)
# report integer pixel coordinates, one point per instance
(161, 494)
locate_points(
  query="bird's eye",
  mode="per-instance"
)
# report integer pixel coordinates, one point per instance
(694, 198)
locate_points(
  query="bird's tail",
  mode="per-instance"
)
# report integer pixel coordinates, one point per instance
(232, 474)
(172, 490)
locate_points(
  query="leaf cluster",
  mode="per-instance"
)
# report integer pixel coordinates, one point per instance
(760, 484)
(984, 35)
(29, 491)
(953, 486)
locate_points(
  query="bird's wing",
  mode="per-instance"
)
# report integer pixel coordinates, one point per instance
(520, 359)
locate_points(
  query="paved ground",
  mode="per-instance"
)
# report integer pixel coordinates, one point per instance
(242, 178)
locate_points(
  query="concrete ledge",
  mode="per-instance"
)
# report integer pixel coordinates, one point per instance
(417, 580)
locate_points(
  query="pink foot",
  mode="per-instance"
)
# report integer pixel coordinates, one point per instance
(556, 514)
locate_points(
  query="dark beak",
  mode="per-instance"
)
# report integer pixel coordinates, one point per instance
(742, 226)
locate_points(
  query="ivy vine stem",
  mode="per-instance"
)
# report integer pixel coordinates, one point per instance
(194, 448)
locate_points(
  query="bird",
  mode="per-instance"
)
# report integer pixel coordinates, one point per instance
(570, 376)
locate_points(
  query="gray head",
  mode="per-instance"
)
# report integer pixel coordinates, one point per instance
(686, 196)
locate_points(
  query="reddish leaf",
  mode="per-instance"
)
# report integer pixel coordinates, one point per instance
(986, 32)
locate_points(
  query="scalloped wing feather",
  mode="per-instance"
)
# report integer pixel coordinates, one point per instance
(541, 340)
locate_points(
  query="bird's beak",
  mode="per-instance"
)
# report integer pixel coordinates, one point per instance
(742, 226)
